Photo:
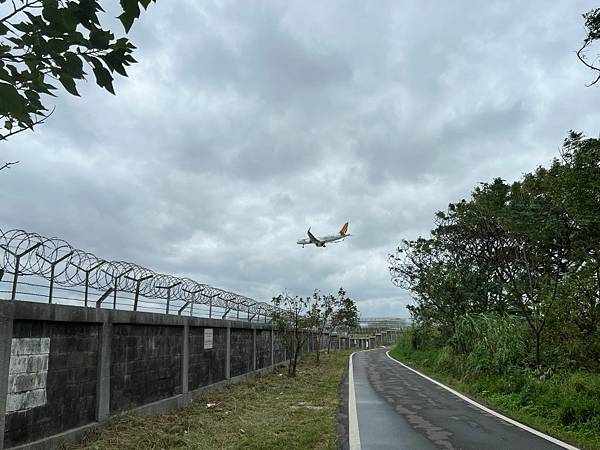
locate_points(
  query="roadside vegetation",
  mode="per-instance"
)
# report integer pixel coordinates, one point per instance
(507, 295)
(271, 412)
(564, 404)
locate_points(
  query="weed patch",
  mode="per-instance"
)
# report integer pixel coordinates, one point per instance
(271, 412)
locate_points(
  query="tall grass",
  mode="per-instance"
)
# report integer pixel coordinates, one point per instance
(482, 344)
(492, 344)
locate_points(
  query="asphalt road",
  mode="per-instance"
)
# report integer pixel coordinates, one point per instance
(397, 408)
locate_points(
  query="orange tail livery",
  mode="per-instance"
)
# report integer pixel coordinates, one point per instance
(344, 229)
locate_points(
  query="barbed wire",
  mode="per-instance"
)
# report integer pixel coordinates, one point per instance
(24, 254)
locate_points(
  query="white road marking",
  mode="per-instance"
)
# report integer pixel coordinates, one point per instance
(488, 410)
(353, 433)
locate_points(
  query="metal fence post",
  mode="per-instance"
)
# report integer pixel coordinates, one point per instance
(87, 279)
(52, 268)
(137, 282)
(18, 257)
(116, 286)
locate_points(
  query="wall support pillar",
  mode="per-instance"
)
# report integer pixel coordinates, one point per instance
(6, 333)
(103, 378)
(185, 359)
(228, 354)
(272, 347)
(253, 348)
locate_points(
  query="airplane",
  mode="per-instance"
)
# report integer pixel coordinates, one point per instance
(321, 241)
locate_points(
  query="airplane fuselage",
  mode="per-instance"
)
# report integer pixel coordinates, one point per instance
(324, 239)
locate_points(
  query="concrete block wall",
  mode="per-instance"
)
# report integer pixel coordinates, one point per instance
(206, 365)
(334, 342)
(279, 350)
(263, 348)
(324, 342)
(145, 364)
(52, 379)
(242, 355)
(65, 369)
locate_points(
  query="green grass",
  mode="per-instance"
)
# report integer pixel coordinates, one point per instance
(271, 412)
(564, 405)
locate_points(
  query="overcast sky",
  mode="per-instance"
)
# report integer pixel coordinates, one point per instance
(244, 123)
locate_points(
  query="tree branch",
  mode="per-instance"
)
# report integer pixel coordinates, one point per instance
(18, 10)
(43, 118)
(581, 57)
(8, 165)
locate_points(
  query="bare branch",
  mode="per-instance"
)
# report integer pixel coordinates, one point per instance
(581, 56)
(8, 165)
(16, 11)
(42, 119)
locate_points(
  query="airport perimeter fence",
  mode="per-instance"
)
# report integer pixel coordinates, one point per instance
(50, 270)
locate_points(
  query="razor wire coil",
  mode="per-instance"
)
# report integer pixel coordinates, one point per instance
(23, 254)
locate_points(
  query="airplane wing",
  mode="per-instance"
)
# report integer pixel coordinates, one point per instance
(313, 239)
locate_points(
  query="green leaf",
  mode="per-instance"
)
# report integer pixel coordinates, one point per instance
(50, 12)
(58, 45)
(115, 63)
(127, 21)
(68, 17)
(23, 27)
(73, 65)
(4, 75)
(131, 7)
(104, 79)
(69, 84)
(100, 38)
(131, 11)
(11, 101)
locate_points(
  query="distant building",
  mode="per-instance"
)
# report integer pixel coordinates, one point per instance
(383, 323)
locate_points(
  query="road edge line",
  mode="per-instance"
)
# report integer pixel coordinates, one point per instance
(353, 432)
(488, 410)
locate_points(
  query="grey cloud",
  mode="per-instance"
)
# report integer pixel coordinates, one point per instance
(243, 125)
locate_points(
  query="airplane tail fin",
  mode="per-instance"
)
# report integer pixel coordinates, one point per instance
(344, 229)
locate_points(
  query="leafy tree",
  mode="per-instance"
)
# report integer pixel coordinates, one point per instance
(43, 42)
(515, 249)
(592, 26)
(321, 310)
(345, 315)
(538, 240)
(292, 318)
(419, 267)
(576, 187)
